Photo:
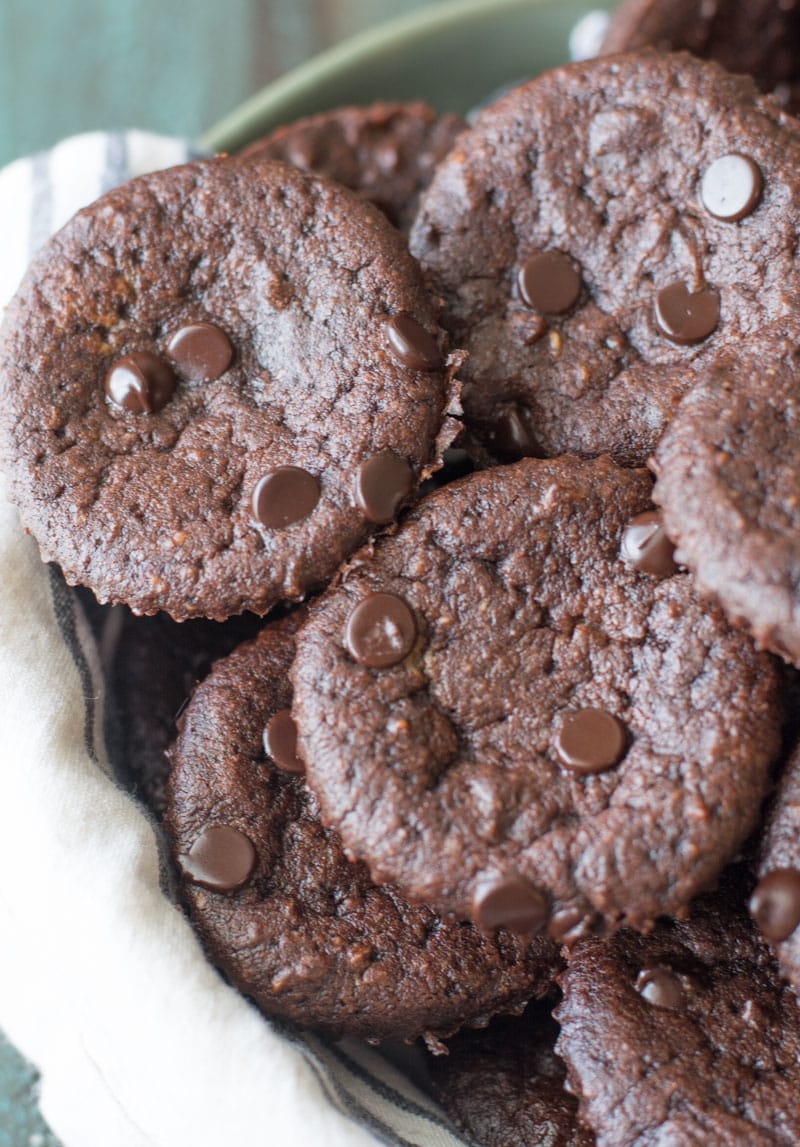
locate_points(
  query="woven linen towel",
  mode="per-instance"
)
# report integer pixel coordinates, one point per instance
(102, 982)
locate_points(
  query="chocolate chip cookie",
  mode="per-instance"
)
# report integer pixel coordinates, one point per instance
(277, 905)
(729, 486)
(599, 232)
(216, 381)
(515, 709)
(775, 902)
(760, 38)
(505, 1086)
(386, 153)
(684, 1036)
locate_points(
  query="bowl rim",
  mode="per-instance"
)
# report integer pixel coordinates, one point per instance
(276, 99)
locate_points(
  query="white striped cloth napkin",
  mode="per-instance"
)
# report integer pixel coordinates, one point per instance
(102, 983)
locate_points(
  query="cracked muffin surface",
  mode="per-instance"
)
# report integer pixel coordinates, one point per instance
(728, 476)
(572, 235)
(505, 1086)
(386, 152)
(685, 1036)
(760, 38)
(290, 920)
(508, 719)
(194, 373)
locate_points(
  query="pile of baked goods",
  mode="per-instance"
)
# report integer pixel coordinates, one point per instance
(453, 476)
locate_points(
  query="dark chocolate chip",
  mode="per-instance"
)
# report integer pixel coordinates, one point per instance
(686, 318)
(732, 188)
(550, 282)
(280, 742)
(591, 741)
(381, 631)
(382, 484)
(509, 902)
(646, 547)
(660, 987)
(285, 496)
(568, 925)
(775, 904)
(202, 350)
(511, 435)
(140, 383)
(221, 858)
(412, 345)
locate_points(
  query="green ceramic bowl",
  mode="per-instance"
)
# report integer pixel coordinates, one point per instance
(454, 55)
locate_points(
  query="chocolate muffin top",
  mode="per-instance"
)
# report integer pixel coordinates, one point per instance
(216, 380)
(505, 1086)
(517, 711)
(279, 908)
(684, 1036)
(386, 152)
(729, 485)
(775, 903)
(760, 38)
(600, 231)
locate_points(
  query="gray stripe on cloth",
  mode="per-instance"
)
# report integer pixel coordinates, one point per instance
(116, 162)
(387, 1091)
(41, 205)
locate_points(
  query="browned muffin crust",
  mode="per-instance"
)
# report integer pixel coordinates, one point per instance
(305, 933)
(445, 725)
(386, 153)
(192, 374)
(571, 237)
(684, 1036)
(728, 473)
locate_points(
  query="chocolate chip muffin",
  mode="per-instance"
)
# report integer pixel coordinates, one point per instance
(760, 38)
(505, 1086)
(216, 381)
(386, 153)
(684, 1036)
(729, 485)
(599, 233)
(515, 709)
(278, 907)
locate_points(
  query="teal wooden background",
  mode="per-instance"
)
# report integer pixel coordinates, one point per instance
(174, 66)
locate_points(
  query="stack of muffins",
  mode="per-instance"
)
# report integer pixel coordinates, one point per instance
(487, 723)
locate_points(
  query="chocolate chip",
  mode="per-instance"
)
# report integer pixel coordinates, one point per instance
(202, 350)
(412, 345)
(382, 484)
(775, 904)
(646, 547)
(509, 902)
(732, 188)
(511, 435)
(686, 318)
(284, 496)
(568, 925)
(660, 987)
(280, 742)
(591, 741)
(141, 383)
(550, 282)
(381, 631)
(221, 858)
